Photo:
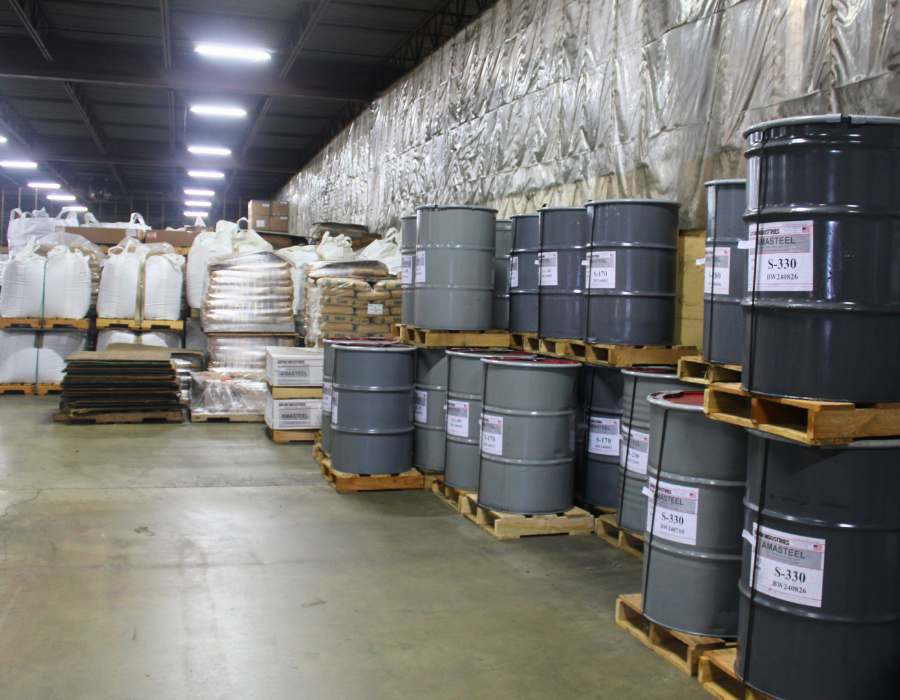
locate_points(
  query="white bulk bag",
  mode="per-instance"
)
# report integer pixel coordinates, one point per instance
(27, 357)
(134, 227)
(120, 282)
(22, 289)
(206, 245)
(159, 339)
(67, 284)
(249, 240)
(23, 226)
(335, 248)
(299, 257)
(386, 250)
(163, 283)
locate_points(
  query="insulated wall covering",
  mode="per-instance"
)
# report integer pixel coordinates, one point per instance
(554, 102)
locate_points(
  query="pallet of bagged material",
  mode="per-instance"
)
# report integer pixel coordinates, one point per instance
(227, 418)
(717, 676)
(680, 649)
(428, 338)
(803, 420)
(30, 389)
(608, 531)
(608, 355)
(509, 526)
(124, 417)
(137, 325)
(287, 436)
(450, 495)
(80, 324)
(517, 340)
(696, 370)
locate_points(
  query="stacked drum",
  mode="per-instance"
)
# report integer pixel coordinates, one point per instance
(408, 268)
(563, 244)
(430, 406)
(524, 273)
(502, 249)
(599, 481)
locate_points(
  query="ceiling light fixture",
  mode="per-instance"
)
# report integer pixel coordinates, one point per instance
(79, 208)
(192, 203)
(44, 185)
(201, 193)
(211, 174)
(24, 164)
(215, 111)
(201, 214)
(61, 197)
(241, 53)
(3, 139)
(210, 150)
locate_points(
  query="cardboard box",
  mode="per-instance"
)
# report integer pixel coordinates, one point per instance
(259, 209)
(294, 366)
(179, 239)
(259, 223)
(293, 414)
(279, 224)
(100, 236)
(280, 208)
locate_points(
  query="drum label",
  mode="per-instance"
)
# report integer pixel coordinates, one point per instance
(458, 418)
(406, 269)
(602, 269)
(421, 403)
(549, 269)
(420, 267)
(788, 567)
(334, 407)
(717, 275)
(672, 511)
(326, 397)
(785, 257)
(514, 271)
(492, 434)
(634, 448)
(603, 437)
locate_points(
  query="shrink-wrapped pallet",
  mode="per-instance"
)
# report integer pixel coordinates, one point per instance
(227, 393)
(37, 357)
(243, 353)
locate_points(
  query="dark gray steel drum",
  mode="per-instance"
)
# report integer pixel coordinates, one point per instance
(465, 386)
(564, 240)
(825, 194)
(822, 621)
(528, 435)
(631, 268)
(454, 280)
(598, 480)
(635, 440)
(430, 400)
(502, 249)
(372, 408)
(692, 552)
(408, 269)
(725, 278)
(524, 273)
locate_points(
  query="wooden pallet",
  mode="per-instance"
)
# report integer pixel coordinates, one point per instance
(288, 436)
(342, 482)
(809, 422)
(517, 340)
(295, 392)
(508, 526)
(596, 511)
(427, 338)
(318, 453)
(81, 324)
(607, 530)
(680, 649)
(127, 417)
(699, 371)
(30, 389)
(430, 478)
(607, 355)
(453, 497)
(136, 325)
(232, 418)
(717, 676)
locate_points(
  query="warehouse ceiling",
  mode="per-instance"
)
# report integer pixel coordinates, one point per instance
(99, 92)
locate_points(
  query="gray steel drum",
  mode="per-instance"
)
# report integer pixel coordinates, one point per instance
(528, 435)
(822, 621)
(632, 272)
(465, 386)
(599, 482)
(696, 482)
(635, 440)
(430, 401)
(372, 408)
(725, 274)
(523, 273)
(454, 280)
(408, 269)
(502, 249)
(328, 379)
(825, 194)
(564, 240)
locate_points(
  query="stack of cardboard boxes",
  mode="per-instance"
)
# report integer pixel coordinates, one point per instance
(269, 216)
(294, 393)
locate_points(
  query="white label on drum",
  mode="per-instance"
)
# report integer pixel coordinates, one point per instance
(789, 567)
(602, 268)
(785, 252)
(334, 407)
(717, 276)
(492, 434)
(421, 401)
(603, 437)
(326, 397)
(420, 267)
(674, 515)
(458, 418)
(634, 448)
(514, 271)
(406, 269)
(549, 269)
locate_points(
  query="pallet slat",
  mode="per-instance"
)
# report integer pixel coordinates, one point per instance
(698, 371)
(429, 338)
(343, 482)
(81, 324)
(126, 417)
(289, 436)
(717, 676)
(608, 531)
(453, 497)
(136, 325)
(507, 526)
(234, 418)
(607, 355)
(30, 389)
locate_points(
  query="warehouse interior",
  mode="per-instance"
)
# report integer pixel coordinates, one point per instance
(395, 349)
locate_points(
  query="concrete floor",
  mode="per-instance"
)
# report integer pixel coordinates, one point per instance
(197, 562)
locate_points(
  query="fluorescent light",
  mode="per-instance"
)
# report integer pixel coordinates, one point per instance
(212, 174)
(61, 197)
(201, 193)
(201, 214)
(215, 111)
(77, 208)
(3, 139)
(25, 164)
(242, 53)
(191, 203)
(44, 185)
(210, 150)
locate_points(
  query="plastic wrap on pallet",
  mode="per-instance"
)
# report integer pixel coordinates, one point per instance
(228, 393)
(194, 337)
(559, 102)
(339, 307)
(160, 339)
(248, 292)
(29, 357)
(243, 353)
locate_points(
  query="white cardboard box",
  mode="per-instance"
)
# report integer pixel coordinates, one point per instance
(294, 366)
(293, 414)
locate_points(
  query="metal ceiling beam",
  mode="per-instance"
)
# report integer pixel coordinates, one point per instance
(37, 23)
(166, 31)
(19, 131)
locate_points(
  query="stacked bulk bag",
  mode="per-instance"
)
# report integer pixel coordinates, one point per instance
(37, 357)
(143, 281)
(120, 282)
(163, 284)
(160, 339)
(22, 293)
(67, 284)
(23, 226)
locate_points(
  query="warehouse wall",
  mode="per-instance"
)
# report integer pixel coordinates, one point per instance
(548, 101)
